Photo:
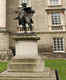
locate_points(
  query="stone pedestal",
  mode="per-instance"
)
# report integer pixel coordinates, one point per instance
(27, 65)
(26, 58)
(26, 46)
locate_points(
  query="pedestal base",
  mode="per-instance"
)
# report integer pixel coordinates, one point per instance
(27, 65)
(46, 75)
(28, 69)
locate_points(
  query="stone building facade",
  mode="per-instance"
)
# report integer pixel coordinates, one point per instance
(49, 24)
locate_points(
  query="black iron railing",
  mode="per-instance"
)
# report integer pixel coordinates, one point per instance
(57, 74)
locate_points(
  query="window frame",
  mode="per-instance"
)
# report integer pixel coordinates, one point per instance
(60, 27)
(56, 18)
(57, 45)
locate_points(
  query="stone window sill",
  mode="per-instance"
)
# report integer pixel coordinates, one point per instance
(59, 52)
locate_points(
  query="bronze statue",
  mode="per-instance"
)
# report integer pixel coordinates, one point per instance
(25, 17)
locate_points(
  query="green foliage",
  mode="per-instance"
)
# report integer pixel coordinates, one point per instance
(60, 65)
(3, 66)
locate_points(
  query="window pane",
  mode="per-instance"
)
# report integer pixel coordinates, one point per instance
(54, 2)
(56, 18)
(58, 44)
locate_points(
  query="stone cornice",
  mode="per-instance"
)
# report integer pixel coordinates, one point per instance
(46, 32)
(52, 32)
(25, 36)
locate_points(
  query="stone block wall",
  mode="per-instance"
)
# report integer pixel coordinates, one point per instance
(4, 45)
(4, 41)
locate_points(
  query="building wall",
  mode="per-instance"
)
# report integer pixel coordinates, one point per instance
(4, 38)
(12, 6)
(40, 25)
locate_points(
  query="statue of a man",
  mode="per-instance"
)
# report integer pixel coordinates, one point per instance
(25, 17)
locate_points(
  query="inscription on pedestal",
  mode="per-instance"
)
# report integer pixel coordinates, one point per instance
(26, 49)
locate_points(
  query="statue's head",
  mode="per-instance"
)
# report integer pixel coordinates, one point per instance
(24, 5)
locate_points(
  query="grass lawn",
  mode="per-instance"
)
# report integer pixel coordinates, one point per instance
(60, 65)
(3, 66)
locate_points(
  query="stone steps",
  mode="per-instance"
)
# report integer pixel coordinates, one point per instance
(26, 65)
(29, 79)
(28, 76)
(27, 70)
(22, 63)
